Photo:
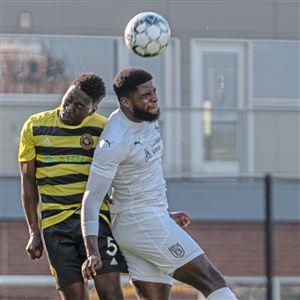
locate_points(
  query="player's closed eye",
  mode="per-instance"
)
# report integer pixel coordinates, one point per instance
(79, 105)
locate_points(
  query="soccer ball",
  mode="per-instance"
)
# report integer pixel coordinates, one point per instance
(147, 34)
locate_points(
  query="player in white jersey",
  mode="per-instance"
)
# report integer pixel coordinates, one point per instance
(129, 157)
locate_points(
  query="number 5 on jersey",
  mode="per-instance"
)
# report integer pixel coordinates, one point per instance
(111, 249)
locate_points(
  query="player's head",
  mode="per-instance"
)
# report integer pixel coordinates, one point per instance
(82, 98)
(136, 94)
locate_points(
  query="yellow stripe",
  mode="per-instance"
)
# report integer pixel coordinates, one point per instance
(50, 221)
(104, 217)
(63, 158)
(104, 206)
(63, 189)
(62, 170)
(62, 141)
(57, 206)
(49, 118)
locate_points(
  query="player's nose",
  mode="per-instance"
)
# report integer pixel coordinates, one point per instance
(154, 97)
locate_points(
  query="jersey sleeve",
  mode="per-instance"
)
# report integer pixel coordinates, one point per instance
(107, 157)
(26, 147)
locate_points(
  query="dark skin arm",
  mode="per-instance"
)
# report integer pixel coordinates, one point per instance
(93, 261)
(30, 201)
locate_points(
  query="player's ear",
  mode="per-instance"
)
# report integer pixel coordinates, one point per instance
(125, 102)
(93, 110)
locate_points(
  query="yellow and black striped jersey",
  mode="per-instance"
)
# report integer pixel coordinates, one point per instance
(63, 156)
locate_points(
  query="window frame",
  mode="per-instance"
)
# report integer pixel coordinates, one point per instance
(170, 96)
(198, 47)
(260, 102)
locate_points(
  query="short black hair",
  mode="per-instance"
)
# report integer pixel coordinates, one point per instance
(91, 84)
(128, 79)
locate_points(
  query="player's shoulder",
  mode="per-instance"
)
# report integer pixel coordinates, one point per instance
(41, 118)
(121, 130)
(114, 127)
(114, 136)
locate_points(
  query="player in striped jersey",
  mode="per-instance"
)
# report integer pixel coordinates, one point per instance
(55, 154)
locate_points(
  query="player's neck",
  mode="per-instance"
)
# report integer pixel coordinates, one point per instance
(130, 116)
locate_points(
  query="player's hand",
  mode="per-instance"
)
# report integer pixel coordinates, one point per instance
(34, 246)
(182, 219)
(90, 266)
(108, 200)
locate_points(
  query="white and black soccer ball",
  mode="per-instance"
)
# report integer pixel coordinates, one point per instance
(147, 34)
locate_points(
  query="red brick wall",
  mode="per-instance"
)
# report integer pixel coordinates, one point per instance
(235, 248)
(13, 259)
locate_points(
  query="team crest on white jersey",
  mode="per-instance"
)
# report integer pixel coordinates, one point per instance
(177, 250)
(86, 141)
(148, 155)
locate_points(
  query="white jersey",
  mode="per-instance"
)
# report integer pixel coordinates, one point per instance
(130, 153)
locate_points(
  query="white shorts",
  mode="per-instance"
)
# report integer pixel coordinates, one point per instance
(153, 245)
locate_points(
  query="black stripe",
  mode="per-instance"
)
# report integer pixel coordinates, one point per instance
(49, 213)
(40, 164)
(70, 199)
(65, 179)
(58, 131)
(106, 213)
(63, 151)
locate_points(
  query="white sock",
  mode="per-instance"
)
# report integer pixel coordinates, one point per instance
(222, 294)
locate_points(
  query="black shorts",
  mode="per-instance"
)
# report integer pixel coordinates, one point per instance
(66, 251)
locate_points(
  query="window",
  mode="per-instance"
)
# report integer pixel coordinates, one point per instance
(276, 70)
(36, 70)
(245, 97)
(46, 64)
(218, 78)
